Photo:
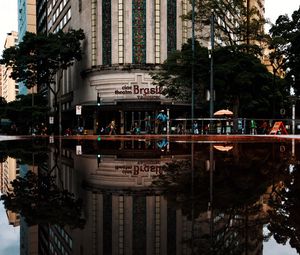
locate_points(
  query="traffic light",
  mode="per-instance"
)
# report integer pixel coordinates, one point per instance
(98, 99)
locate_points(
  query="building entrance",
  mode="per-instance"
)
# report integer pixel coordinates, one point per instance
(144, 120)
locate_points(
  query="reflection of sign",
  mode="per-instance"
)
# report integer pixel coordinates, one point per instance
(142, 168)
(78, 109)
(278, 128)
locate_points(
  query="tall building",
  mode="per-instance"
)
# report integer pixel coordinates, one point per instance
(26, 23)
(125, 42)
(9, 87)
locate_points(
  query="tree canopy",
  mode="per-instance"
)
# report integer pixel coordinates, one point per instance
(241, 81)
(238, 21)
(40, 201)
(285, 48)
(38, 57)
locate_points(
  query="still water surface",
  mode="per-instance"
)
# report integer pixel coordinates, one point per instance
(149, 197)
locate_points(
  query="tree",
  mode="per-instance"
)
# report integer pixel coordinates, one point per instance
(40, 59)
(241, 81)
(285, 49)
(237, 21)
(40, 201)
(23, 113)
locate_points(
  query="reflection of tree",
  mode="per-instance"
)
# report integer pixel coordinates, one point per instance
(23, 150)
(40, 201)
(285, 203)
(239, 183)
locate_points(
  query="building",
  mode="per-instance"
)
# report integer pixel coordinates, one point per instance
(26, 23)
(9, 88)
(125, 41)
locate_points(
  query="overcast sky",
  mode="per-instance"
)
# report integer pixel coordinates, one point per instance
(9, 20)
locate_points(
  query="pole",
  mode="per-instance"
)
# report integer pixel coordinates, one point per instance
(211, 87)
(193, 63)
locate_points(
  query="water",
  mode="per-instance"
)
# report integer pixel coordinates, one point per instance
(150, 197)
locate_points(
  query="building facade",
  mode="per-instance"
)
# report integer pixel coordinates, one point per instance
(9, 87)
(126, 41)
(26, 23)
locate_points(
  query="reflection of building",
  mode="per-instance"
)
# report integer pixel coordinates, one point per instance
(28, 234)
(127, 215)
(10, 170)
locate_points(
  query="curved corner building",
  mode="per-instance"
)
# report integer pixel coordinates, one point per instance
(125, 41)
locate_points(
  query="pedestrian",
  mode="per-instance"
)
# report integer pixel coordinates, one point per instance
(195, 128)
(161, 120)
(253, 127)
(223, 126)
(112, 128)
(136, 129)
(148, 126)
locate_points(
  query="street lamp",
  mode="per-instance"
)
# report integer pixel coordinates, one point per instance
(193, 64)
(98, 99)
(211, 49)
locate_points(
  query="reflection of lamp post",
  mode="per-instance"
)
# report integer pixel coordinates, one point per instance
(293, 100)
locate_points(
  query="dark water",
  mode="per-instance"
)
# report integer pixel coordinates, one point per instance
(149, 197)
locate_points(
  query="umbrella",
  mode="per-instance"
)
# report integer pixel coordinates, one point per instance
(223, 112)
(223, 147)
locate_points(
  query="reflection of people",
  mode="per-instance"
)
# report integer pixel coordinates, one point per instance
(162, 144)
(161, 119)
(112, 127)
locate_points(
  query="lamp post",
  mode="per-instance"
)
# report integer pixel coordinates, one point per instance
(193, 64)
(211, 49)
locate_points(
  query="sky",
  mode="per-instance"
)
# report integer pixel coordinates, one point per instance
(9, 14)
(9, 235)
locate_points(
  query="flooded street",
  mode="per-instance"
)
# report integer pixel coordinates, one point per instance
(149, 196)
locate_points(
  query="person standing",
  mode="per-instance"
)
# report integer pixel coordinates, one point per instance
(195, 128)
(253, 127)
(148, 125)
(112, 128)
(161, 119)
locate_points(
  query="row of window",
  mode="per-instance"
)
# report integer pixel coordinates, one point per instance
(56, 14)
(52, 5)
(63, 21)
